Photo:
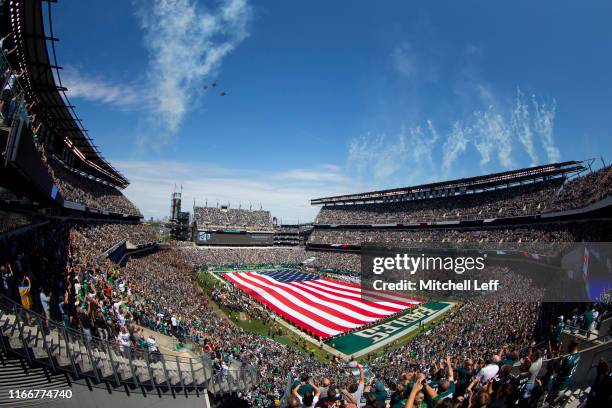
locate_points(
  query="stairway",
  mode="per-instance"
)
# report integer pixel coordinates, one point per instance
(106, 365)
(15, 373)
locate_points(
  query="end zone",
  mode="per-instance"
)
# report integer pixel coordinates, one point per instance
(365, 341)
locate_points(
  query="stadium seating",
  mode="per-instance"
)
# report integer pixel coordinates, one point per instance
(104, 235)
(585, 190)
(520, 234)
(530, 199)
(11, 220)
(89, 192)
(52, 344)
(225, 217)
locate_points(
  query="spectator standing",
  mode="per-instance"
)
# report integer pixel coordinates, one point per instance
(25, 292)
(310, 399)
(45, 302)
(7, 279)
(567, 367)
(490, 370)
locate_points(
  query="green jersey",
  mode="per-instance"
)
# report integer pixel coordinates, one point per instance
(446, 394)
(588, 320)
(557, 331)
(304, 389)
(567, 368)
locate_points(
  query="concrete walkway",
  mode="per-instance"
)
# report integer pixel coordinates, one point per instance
(167, 344)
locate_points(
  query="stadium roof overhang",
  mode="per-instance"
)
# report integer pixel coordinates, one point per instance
(46, 91)
(470, 184)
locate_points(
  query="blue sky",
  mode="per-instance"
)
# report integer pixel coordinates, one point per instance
(332, 97)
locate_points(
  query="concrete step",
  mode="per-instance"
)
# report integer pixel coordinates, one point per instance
(42, 342)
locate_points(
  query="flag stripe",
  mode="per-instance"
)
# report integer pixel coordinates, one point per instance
(372, 308)
(309, 309)
(349, 313)
(323, 307)
(333, 289)
(385, 295)
(290, 314)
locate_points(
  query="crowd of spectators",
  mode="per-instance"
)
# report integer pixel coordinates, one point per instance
(535, 238)
(84, 190)
(238, 256)
(103, 236)
(336, 260)
(236, 218)
(530, 199)
(58, 269)
(12, 220)
(166, 297)
(582, 191)
(505, 202)
(484, 351)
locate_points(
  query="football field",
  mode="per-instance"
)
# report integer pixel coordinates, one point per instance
(341, 317)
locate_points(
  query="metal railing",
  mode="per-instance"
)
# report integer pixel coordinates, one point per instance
(38, 340)
(590, 338)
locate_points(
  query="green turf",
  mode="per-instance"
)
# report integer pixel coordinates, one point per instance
(352, 343)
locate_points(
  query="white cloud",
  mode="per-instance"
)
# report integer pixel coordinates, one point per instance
(498, 134)
(521, 126)
(378, 159)
(187, 43)
(454, 145)
(421, 143)
(491, 135)
(123, 96)
(323, 174)
(415, 63)
(544, 122)
(285, 193)
(377, 156)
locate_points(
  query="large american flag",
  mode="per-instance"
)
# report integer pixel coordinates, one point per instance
(321, 306)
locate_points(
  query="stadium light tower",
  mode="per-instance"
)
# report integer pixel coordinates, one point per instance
(175, 205)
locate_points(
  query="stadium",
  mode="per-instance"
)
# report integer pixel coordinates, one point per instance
(228, 307)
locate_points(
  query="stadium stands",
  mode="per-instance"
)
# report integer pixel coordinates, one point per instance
(89, 192)
(555, 232)
(218, 257)
(226, 217)
(104, 236)
(288, 235)
(84, 182)
(584, 190)
(508, 202)
(11, 220)
(524, 200)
